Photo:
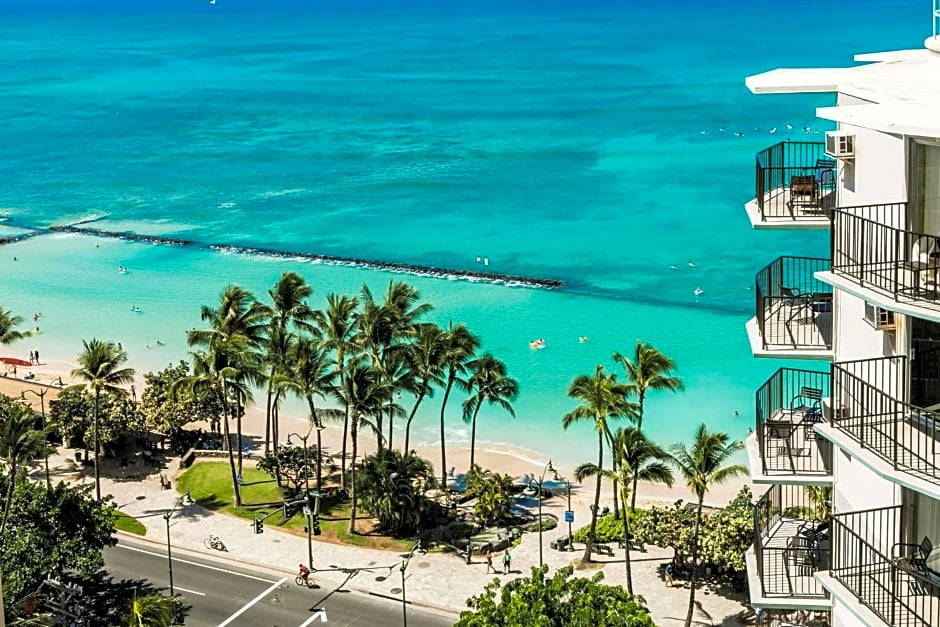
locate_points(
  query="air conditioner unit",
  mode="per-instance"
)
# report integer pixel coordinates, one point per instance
(840, 144)
(880, 319)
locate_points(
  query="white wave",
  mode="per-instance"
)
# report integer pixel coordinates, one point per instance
(226, 205)
(284, 192)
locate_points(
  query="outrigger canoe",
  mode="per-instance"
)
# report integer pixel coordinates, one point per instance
(15, 361)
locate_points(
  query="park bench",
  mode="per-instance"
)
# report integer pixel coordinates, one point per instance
(602, 549)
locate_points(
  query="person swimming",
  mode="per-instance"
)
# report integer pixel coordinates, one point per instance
(583, 339)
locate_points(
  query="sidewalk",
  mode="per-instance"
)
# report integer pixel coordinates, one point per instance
(436, 580)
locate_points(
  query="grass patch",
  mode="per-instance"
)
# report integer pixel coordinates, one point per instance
(129, 524)
(210, 485)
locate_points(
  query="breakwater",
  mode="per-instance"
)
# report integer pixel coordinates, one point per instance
(371, 264)
(391, 266)
(134, 237)
(11, 239)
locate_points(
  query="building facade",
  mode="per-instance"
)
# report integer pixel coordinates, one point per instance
(848, 531)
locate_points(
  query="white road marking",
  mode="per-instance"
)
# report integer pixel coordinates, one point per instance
(252, 602)
(320, 613)
(176, 559)
(202, 594)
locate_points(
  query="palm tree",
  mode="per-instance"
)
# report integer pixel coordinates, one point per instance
(337, 324)
(236, 329)
(702, 465)
(100, 371)
(312, 376)
(634, 457)
(648, 370)
(460, 346)
(151, 610)
(425, 362)
(20, 442)
(363, 392)
(288, 312)
(8, 324)
(602, 399)
(279, 347)
(487, 382)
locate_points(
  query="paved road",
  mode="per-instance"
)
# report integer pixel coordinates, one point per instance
(223, 594)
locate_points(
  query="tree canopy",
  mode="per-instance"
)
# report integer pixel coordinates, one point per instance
(539, 601)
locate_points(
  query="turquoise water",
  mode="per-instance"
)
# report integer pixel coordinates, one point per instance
(556, 141)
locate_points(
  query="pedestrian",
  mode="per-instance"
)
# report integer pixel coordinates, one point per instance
(32, 359)
(489, 562)
(36, 353)
(507, 561)
(667, 573)
(133, 392)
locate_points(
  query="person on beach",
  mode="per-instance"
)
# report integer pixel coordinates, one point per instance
(507, 562)
(32, 359)
(36, 353)
(489, 562)
(667, 574)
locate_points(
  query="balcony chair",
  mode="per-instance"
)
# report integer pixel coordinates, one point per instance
(825, 173)
(912, 559)
(797, 303)
(925, 261)
(804, 192)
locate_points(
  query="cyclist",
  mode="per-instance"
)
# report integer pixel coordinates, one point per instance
(304, 572)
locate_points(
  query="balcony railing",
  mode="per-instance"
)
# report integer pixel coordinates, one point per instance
(868, 405)
(791, 542)
(788, 407)
(794, 309)
(872, 246)
(790, 618)
(866, 560)
(796, 181)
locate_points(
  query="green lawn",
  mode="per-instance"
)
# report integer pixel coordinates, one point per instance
(128, 523)
(210, 485)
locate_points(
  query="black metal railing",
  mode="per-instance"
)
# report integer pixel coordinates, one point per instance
(815, 186)
(789, 618)
(794, 309)
(791, 541)
(868, 404)
(873, 246)
(786, 413)
(868, 558)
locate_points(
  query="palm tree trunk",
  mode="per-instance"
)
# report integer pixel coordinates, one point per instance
(597, 501)
(450, 383)
(238, 431)
(473, 433)
(231, 458)
(352, 512)
(97, 470)
(275, 425)
(414, 410)
(626, 542)
(316, 425)
(267, 421)
(340, 357)
(615, 466)
(391, 425)
(639, 427)
(698, 524)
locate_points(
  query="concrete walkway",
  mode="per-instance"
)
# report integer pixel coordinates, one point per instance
(437, 580)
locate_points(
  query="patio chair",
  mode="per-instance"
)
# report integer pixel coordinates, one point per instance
(825, 173)
(807, 405)
(925, 258)
(803, 192)
(797, 303)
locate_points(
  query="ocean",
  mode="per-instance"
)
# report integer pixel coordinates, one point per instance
(599, 144)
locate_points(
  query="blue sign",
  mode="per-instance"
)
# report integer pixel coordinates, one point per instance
(569, 516)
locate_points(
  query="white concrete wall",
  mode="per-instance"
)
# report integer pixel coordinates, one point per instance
(856, 339)
(857, 488)
(878, 174)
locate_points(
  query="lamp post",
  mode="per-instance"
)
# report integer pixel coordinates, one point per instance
(548, 467)
(167, 515)
(41, 393)
(308, 512)
(570, 537)
(404, 566)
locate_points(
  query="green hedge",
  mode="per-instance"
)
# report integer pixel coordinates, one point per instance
(609, 529)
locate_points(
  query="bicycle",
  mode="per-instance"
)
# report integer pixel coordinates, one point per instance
(308, 581)
(215, 542)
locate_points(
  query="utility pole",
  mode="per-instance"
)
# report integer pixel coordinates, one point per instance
(167, 515)
(41, 393)
(309, 512)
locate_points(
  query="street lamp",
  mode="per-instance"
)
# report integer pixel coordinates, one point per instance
(41, 393)
(185, 501)
(404, 566)
(308, 512)
(569, 517)
(548, 467)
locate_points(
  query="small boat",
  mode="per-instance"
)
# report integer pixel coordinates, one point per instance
(539, 343)
(15, 361)
(699, 291)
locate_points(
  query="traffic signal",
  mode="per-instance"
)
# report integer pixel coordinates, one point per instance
(259, 525)
(316, 525)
